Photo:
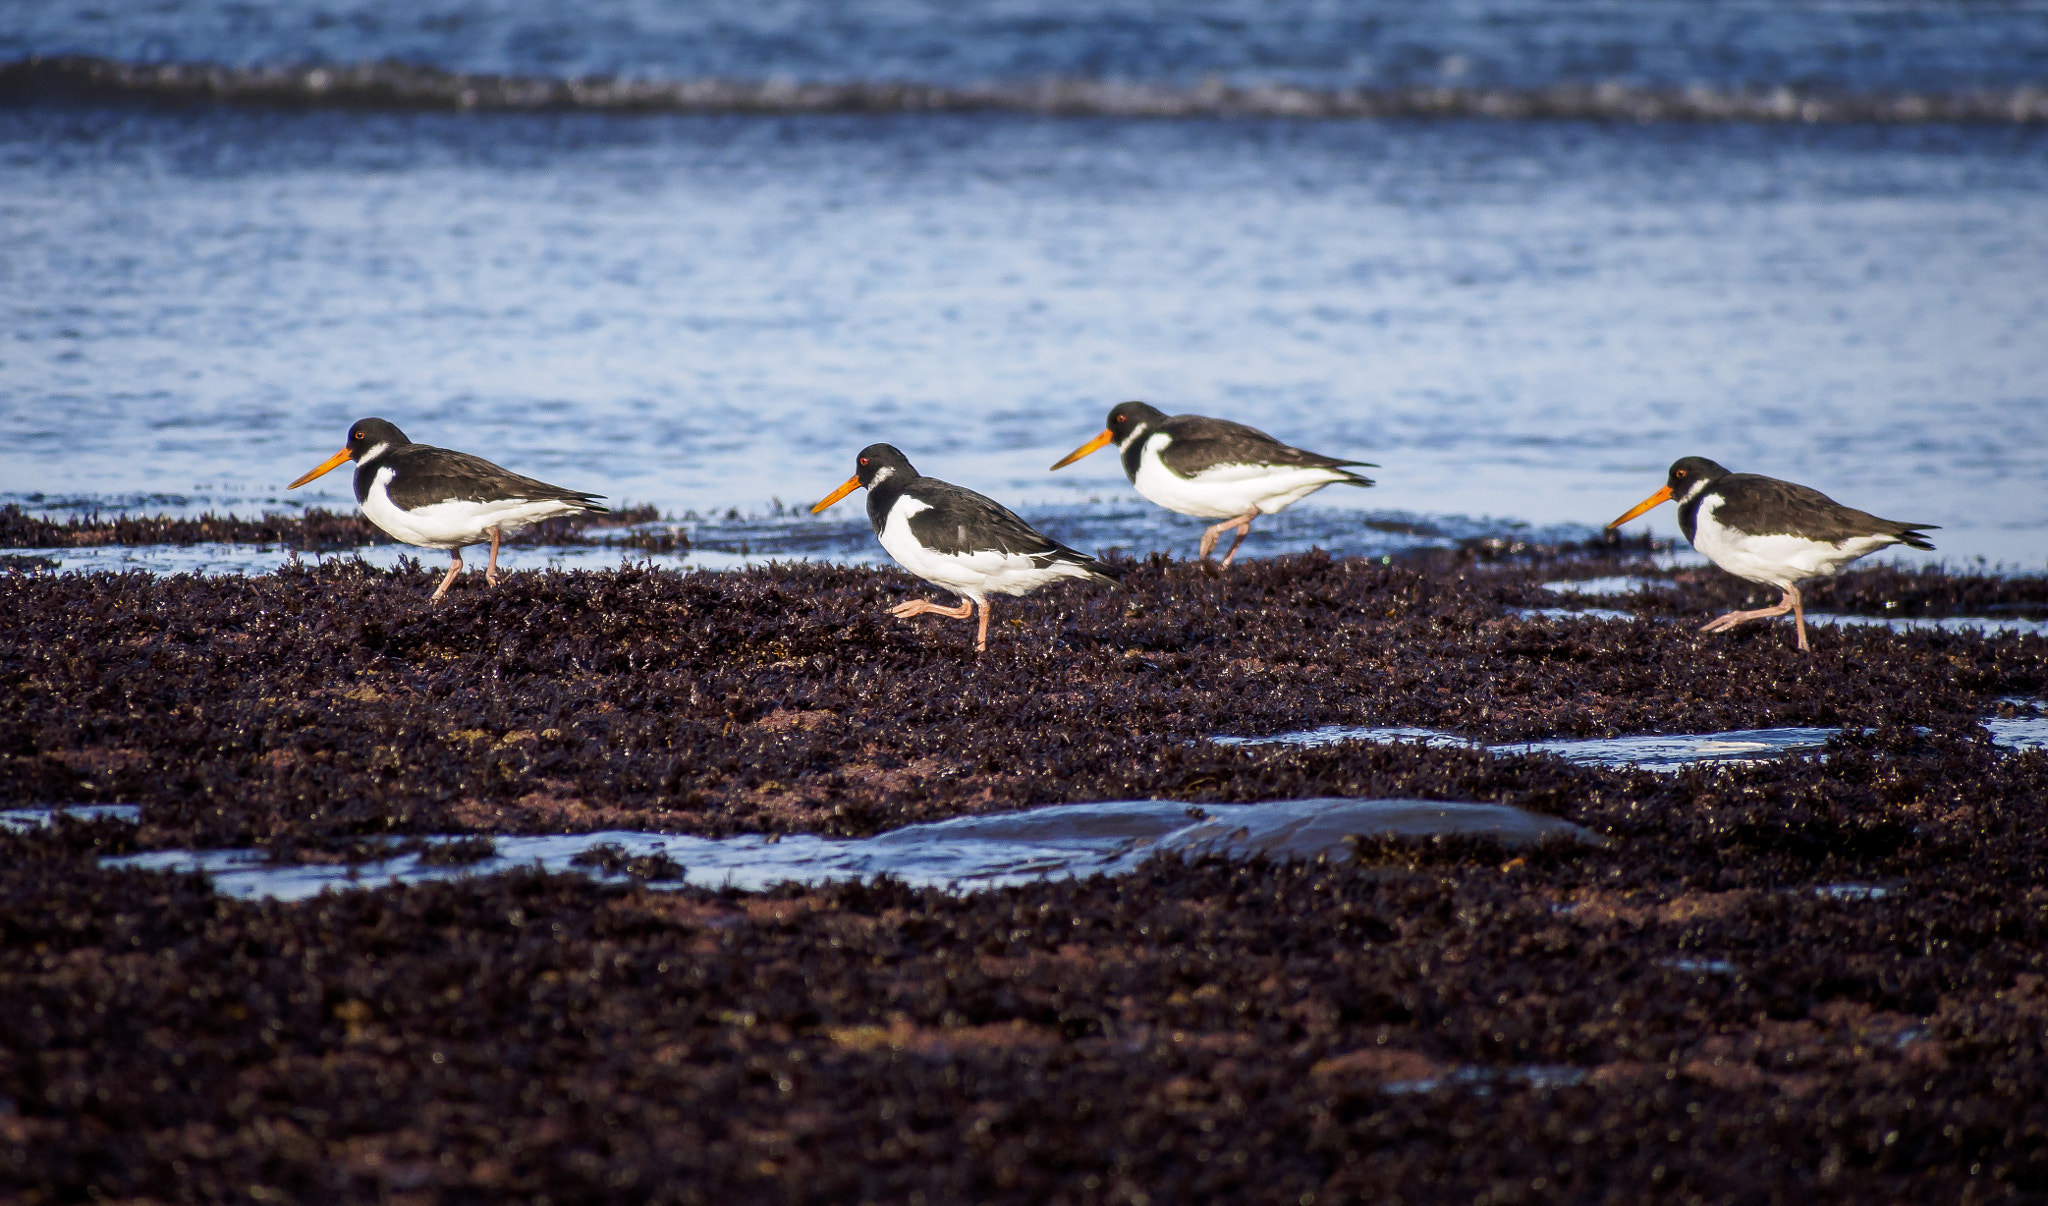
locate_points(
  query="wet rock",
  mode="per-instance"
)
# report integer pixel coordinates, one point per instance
(1325, 828)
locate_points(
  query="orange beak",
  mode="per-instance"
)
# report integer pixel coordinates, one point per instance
(1661, 496)
(847, 487)
(1084, 450)
(327, 466)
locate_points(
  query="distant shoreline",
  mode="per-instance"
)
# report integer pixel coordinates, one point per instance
(401, 86)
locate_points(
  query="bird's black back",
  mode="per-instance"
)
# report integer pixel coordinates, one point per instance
(423, 475)
(1756, 505)
(957, 521)
(1200, 442)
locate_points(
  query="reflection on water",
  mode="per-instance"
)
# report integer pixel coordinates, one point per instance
(1714, 967)
(1988, 625)
(1613, 585)
(964, 853)
(1647, 751)
(1567, 613)
(42, 818)
(2019, 732)
(165, 559)
(1483, 1081)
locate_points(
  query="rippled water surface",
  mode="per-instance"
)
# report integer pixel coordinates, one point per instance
(1520, 320)
(1838, 43)
(1523, 322)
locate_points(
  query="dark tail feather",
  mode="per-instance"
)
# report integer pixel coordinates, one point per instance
(1355, 479)
(1101, 569)
(1909, 534)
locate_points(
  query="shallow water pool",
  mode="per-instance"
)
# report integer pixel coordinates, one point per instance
(966, 853)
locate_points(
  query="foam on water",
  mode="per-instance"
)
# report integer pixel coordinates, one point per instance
(1648, 751)
(964, 854)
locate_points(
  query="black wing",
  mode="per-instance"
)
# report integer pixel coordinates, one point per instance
(957, 521)
(1764, 506)
(423, 475)
(1200, 442)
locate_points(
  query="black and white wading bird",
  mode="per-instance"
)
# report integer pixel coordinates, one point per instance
(956, 539)
(438, 498)
(1214, 468)
(1771, 532)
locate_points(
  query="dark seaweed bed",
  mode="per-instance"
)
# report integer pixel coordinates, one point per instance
(1680, 1015)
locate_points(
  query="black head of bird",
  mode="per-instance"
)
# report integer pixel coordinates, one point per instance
(1688, 474)
(365, 438)
(876, 463)
(1127, 421)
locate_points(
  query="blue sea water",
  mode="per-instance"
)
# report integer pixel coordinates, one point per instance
(1843, 44)
(1521, 322)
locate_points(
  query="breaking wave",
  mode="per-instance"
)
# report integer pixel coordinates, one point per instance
(397, 86)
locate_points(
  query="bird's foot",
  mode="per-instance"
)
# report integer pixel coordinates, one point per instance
(454, 568)
(1724, 623)
(919, 607)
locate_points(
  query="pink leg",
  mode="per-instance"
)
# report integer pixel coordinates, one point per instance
(981, 640)
(1243, 524)
(1791, 602)
(491, 569)
(1799, 616)
(1243, 530)
(454, 568)
(919, 607)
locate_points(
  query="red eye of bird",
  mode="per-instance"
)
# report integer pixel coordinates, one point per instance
(1119, 418)
(863, 460)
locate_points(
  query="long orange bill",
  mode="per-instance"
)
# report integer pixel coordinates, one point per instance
(1661, 496)
(1084, 450)
(851, 484)
(330, 464)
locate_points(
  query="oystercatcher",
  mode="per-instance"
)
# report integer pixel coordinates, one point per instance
(1214, 468)
(956, 539)
(1771, 532)
(438, 498)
